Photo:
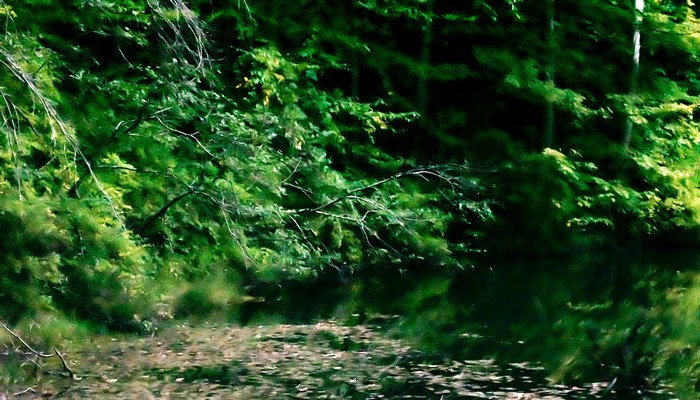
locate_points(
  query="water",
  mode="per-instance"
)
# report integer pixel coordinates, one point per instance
(528, 329)
(586, 320)
(323, 360)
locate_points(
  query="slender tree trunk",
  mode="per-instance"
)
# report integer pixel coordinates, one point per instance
(422, 96)
(355, 57)
(548, 139)
(424, 62)
(637, 44)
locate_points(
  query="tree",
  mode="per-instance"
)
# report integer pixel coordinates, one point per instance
(549, 107)
(634, 77)
(277, 175)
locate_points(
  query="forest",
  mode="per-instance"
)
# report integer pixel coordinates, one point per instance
(489, 179)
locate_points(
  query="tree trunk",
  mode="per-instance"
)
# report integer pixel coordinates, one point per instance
(424, 62)
(422, 97)
(355, 57)
(548, 139)
(637, 44)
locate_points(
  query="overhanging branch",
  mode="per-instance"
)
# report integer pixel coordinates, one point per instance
(161, 212)
(423, 173)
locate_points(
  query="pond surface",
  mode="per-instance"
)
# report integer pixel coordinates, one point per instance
(496, 331)
(313, 361)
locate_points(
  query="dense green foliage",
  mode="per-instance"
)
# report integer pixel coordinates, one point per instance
(162, 157)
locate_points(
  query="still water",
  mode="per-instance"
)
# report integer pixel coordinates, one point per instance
(575, 328)
(323, 360)
(607, 323)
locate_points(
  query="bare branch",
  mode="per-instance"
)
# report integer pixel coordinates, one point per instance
(158, 214)
(192, 136)
(172, 31)
(65, 366)
(25, 344)
(41, 355)
(24, 392)
(423, 173)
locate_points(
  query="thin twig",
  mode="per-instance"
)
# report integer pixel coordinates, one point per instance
(25, 391)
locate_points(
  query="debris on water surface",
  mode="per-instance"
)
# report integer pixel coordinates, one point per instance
(315, 361)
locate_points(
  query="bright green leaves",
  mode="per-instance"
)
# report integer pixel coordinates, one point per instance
(279, 86)
(36, 138)
(650, 208)
(68, 255)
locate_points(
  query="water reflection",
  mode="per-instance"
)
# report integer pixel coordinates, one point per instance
(499, 330)
(591, 318)
(596, 317)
